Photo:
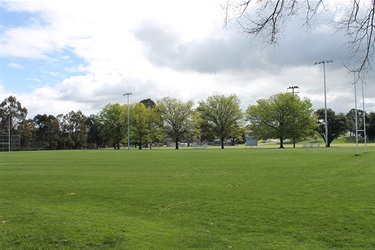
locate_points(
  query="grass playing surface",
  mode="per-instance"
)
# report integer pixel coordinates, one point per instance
(260, 198)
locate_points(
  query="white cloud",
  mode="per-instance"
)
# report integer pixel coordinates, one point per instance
(30, 42)
(33, 79)
(164, 48)
(15, 66)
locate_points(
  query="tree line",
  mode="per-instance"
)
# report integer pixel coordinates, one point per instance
(172, 121)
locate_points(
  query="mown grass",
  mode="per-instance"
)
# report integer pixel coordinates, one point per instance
(260, 198)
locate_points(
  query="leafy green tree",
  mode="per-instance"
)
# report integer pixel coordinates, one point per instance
(194, 130)
(26, 130)
(370, 126)
(351, 121)
(155, 125)
(77, 129)
(282, 116)
(304, 119)
(177, 117)
(148, 103)
(114, 117)
(222, 114)
(154, 121)
(139, 117)
(205, 131)
(238, 134)
(94, 135)
(66, 141)
(48, 133)
(11, 113)
(337, 125)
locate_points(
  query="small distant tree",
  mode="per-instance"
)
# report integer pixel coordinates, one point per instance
(11, 114)
(77, 128)
(140, 116)
(351, 122)
(149, 103)
(222, 114)
(238, 133)
(282, 116)
(26, 130)
(337, 125)
(155, 125)
(94, 135)
(370, 126)
(194, 130)
(177, 117)
(154, 121)
(47, 132)
(113, 117)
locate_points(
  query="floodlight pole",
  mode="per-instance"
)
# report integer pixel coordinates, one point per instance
(325, 98)
(297, 91)
(364, 115)
(355, 116)
(9, 137)
(128, 94)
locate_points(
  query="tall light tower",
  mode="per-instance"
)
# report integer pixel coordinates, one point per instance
(355, 116)
(128, 94)
(295, 90)
(325, 98)
(9, 136)
(364, 116)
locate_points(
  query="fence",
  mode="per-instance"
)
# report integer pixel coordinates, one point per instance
(10, 143)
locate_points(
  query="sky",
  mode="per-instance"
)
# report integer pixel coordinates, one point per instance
(60, 56)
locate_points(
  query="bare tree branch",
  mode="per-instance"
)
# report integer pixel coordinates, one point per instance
(266, 19)
(359, 26)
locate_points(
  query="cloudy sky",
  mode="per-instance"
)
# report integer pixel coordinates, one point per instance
(59, 56)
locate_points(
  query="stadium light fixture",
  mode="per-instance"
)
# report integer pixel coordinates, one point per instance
(294, 89)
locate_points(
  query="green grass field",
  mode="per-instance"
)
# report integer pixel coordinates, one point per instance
(259, 198)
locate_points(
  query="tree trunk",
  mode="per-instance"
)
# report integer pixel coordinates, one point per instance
(222, 143)
(281, 142)
(326, 144)
(176, 142)
(140, 146)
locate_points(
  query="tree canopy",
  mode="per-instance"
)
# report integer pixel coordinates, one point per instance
(282, 116)
(222, 114)
(140, 116)
(370, 127)
(113, 117)
(337, 125)
(177, 117)
(11, 114)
